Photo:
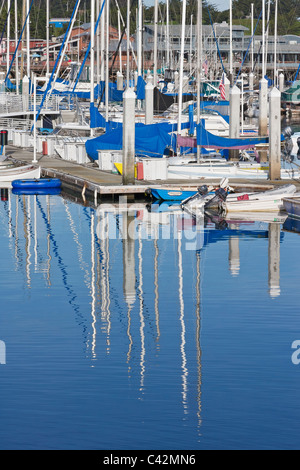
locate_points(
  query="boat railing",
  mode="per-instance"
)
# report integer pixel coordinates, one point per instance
(16, 124)
(10, 103)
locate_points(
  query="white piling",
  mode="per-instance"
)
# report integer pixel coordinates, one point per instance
(185, 84)
(176, 80)
(251, 83)
(275, 135)
(149, 103)
(120, 81)
(274, 260)
(128, 136)
(281, 82)
(25, 86)
(263, 108)
(235, 117)
(227, 88)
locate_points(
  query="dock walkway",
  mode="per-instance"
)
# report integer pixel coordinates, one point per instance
(90, 181)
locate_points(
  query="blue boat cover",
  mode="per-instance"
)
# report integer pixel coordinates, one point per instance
(150, 140)
(209, 140)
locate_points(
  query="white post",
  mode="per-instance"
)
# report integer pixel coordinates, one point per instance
(129, 136)
(275, 135)
(263, 108)
(235, 111)
(120, 82)
(281, 82)
(251, 83)
(149, 103)
(227, 88)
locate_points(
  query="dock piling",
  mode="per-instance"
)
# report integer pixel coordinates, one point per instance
(129, 97)
(275, 135)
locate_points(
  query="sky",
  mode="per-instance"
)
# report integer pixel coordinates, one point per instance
(221, 5)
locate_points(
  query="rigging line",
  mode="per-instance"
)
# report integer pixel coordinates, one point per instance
(4, 27)
(250, 42)
(17, 48)
(56, 63)
(115, 55)
(89, 47)
(216, 41)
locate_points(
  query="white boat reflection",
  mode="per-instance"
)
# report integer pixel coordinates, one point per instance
(132, 242)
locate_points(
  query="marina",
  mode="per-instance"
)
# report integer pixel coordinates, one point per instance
(150, 207)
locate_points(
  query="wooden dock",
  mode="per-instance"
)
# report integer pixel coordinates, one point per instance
(90, 182)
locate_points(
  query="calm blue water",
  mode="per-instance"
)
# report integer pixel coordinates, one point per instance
(177, 338)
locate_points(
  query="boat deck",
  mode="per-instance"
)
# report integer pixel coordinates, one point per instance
(90, 181)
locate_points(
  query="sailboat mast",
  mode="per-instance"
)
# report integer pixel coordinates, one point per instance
(199, 66)
(16, 42)
(155, 43)
(47, 36)
(28, 39)
(275, 41)
(230, 46)
(140, 26)
(8, 35)
(181, 65)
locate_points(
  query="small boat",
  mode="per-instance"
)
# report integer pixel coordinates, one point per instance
(24, 172)
(37, 184)
(169, 193)
(37, 192)
(223, 201)
(266, 201)
(292, 206)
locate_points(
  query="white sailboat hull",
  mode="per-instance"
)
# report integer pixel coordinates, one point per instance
(226, 170)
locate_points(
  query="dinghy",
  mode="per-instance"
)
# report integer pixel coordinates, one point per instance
(24, 172)
(37, 184)
(224, 202)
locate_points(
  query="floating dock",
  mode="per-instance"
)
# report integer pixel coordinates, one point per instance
(91, 182)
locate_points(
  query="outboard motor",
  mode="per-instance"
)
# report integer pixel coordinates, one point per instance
(298, 143)
(217, 201)
(203, 190)
(288, 145)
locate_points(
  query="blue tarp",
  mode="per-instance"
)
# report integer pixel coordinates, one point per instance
(208, 140)
(150, 140)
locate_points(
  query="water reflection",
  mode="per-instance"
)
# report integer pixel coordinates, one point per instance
(111, 260)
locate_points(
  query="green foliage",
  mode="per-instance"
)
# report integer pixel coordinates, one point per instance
(288, 12)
